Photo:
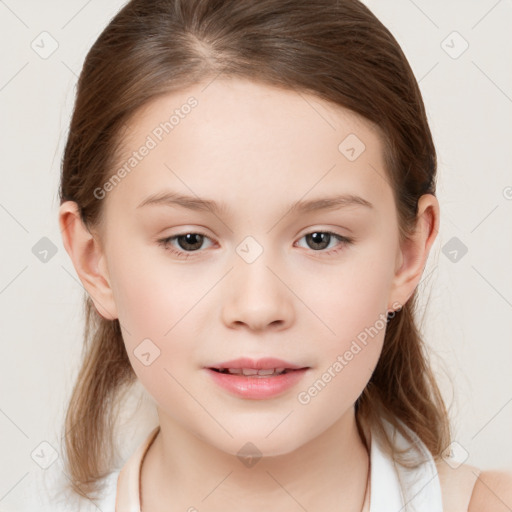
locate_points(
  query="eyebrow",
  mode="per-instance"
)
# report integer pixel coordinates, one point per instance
(208, 205)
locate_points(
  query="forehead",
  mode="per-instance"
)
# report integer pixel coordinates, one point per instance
(232, 137)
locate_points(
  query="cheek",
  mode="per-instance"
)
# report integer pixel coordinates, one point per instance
(351, 296)
(158, 334)
(149, 294)
(337, 384)
(351, 302)
(349, 350)
(157, 306)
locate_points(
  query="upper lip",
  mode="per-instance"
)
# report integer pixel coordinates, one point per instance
(265, 363)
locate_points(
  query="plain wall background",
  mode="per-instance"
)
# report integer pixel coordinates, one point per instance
(468, 321)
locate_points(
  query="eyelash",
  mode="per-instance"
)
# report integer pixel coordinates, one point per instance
(185, 255)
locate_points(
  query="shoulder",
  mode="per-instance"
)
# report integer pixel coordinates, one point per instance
(467, 488)
(492, 491)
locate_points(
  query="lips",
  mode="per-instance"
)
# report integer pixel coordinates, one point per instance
(260, 379)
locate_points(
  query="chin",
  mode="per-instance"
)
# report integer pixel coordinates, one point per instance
(257, 445)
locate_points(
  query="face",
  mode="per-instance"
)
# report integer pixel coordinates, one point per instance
(253, 277)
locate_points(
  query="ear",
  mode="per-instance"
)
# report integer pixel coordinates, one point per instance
(88, 259)
(412, 255)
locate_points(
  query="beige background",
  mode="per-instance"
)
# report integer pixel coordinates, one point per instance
(468, 96)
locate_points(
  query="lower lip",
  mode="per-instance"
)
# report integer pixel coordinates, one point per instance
(257, 388)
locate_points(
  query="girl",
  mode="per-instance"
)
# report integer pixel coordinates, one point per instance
(248, 197)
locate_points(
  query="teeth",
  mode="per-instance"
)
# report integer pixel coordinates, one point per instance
(253, 371)
(249, 371)
(268, 371)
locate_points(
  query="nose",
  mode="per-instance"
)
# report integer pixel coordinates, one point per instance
(257, 297)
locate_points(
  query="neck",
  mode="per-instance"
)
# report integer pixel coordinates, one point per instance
(182, 470)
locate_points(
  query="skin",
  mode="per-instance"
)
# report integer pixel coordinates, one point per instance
(258, 149)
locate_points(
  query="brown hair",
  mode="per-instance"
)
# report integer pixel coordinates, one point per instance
(335, 49)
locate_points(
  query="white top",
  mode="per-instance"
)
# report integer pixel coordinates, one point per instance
(392, 487)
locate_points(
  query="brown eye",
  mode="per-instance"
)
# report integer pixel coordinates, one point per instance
(190, 241)
(318, 241)
(185, 243)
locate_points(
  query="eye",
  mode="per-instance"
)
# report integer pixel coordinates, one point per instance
(319, 240)
(189, 242)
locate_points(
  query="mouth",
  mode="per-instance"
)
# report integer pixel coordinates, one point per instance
(257, 380)
(253, 372)
(251, 367)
